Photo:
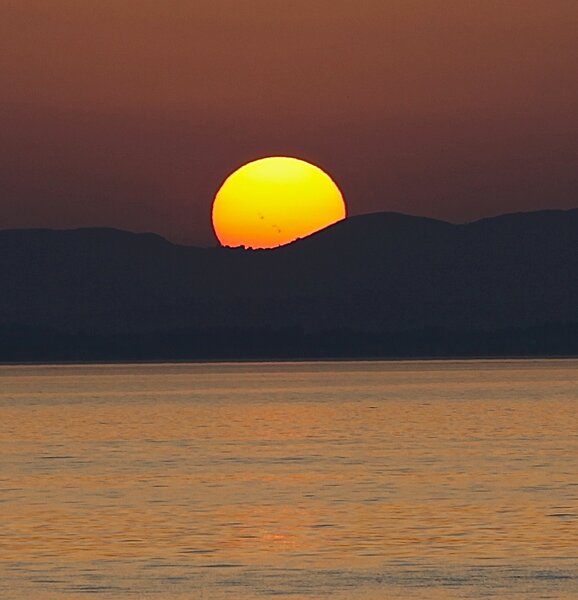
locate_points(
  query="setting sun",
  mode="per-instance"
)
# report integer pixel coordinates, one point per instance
(274, 201)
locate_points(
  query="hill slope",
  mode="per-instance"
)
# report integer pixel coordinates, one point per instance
(371, 274)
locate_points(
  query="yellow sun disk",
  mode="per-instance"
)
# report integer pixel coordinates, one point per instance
(274, 201)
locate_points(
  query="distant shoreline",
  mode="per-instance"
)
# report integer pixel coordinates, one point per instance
(235, 361)
(21, 344)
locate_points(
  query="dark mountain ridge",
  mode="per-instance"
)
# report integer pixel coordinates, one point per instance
(372, 275)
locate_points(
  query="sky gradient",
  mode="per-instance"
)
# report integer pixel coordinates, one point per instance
(131, 113)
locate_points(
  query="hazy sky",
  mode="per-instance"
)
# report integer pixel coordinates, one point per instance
(130, 113)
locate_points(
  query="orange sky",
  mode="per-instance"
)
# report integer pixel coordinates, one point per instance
(131, 113)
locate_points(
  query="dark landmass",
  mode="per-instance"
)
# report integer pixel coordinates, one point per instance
(380, 285)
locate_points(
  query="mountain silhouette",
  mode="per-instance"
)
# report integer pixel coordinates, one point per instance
(379, 284)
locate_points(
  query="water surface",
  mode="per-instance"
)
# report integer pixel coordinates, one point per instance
(373, 480)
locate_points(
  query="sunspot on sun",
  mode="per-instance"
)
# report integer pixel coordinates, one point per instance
(274, 201)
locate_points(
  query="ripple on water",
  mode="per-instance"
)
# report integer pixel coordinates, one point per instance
(443, 480)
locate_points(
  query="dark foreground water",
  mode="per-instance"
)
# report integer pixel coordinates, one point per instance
(361, 480)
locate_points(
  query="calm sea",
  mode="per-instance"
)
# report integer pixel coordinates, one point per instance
(347, 480)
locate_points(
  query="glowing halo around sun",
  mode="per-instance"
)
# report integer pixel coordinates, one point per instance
(274, 201)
